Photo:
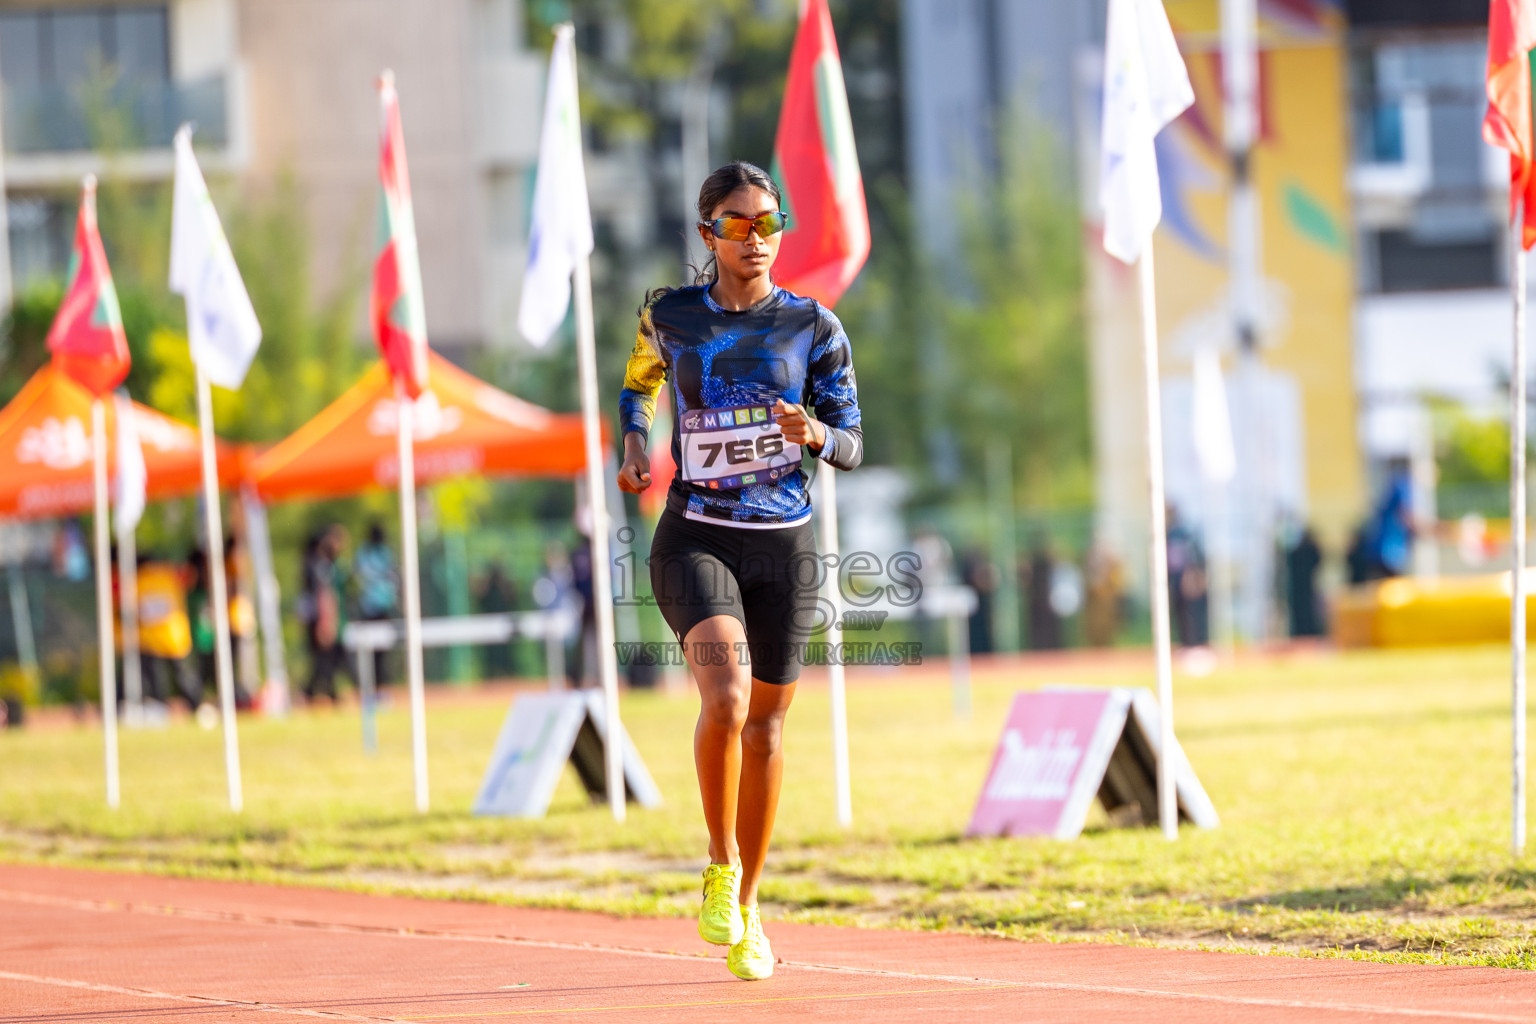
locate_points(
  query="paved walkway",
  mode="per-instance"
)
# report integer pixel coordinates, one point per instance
(91, 946)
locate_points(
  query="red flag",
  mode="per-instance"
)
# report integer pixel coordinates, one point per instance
(663, 467)
(814, 161)
(398, 311)
(1511, 36)
(86, 338)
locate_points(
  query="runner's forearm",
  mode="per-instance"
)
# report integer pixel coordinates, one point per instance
(844, 448)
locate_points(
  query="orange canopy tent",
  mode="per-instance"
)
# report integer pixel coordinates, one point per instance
(462, 426)
(45, 450)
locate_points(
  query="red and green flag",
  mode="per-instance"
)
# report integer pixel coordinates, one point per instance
(86, 338)
(1508, 125)
(397, 309)
(816, 166)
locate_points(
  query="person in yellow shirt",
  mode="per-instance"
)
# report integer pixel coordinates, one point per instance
(165, 633)
(241, 618)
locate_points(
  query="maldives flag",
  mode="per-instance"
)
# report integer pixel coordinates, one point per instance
(827, 237)
(1511, 36)
(398, 312)
(663, 467)
(86, 338)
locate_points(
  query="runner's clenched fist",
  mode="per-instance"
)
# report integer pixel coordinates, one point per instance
(798, 427)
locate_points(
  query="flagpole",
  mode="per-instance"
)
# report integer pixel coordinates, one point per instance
(1239, 51)
(826, 497)
(602, 582)
(128, 577)
(128, 615)
(1167, 801)
(410, 579)
(21, 618)
(217, 598)
(104, 600)
(1517, 532)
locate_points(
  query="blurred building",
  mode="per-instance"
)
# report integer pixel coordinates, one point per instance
(1433, 319)
(285, 87)
(1383, 249)
(1293, 403)
(971, 70)
(978, 70)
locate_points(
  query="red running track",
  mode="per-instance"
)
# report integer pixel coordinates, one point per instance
(81, 946)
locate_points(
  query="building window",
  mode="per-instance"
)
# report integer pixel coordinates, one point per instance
(40, 230)
(1406, 262)
(69, 48)
(77, 77)
(1423, 179)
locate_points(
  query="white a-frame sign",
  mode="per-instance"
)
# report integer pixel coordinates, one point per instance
(1062, 747)
(541, 733)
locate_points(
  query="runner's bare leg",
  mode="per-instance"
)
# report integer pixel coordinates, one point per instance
(762, 772)
(725, 689)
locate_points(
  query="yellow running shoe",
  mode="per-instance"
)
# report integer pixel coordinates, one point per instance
(751, 959)
(720, 917)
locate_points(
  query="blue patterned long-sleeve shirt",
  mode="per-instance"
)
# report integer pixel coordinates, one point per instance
(785, 347)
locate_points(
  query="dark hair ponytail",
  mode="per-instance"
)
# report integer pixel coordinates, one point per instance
(716, 189)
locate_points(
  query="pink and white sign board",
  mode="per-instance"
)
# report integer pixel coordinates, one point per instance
(1055, 750)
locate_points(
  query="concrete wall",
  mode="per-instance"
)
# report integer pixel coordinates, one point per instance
(314, 112)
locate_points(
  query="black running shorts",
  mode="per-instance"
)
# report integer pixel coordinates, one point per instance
(767, 579)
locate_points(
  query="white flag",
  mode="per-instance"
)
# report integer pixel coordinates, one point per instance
(1211, 422)
(562, 221)
(221, 325)
(1145, 87)
(132, 478)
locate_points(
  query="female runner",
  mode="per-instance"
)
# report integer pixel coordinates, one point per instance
(733, 563)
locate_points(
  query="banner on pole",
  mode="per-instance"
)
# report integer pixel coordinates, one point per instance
(543, 732)
(397, 307)
(1062, 747)
(86, 338)
(222, 329)
(560, 235)
(132, 481)
(814, 160)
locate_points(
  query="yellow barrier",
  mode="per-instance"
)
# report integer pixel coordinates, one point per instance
(1429, 613)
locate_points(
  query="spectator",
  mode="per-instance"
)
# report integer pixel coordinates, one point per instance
(553, 591)
(1358, 558)
(582, 669)
(323, 588)
(165, 633)
(1186, 584)
(242, 623)
(1302, 561)
(1039, 575)
(378, 590)
(1393, 524)
(496, 592)
(71, 560)
(199, 615)
(1105, 583)
(204, 631)
(978, 573)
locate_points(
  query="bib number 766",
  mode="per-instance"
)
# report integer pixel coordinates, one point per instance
(742, 450)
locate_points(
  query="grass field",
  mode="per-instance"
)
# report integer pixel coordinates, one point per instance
(1364, 802)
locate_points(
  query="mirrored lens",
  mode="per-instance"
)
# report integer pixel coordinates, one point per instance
(769, 224)
(732, 229)
(736, 229)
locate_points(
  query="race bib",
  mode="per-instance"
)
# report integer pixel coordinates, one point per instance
(740, 447)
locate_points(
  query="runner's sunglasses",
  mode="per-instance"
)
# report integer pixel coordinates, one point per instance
(736, 229)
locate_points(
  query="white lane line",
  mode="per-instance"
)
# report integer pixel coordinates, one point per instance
(594, 947)
(383, 931)
(1204, 997)
(149, 993)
